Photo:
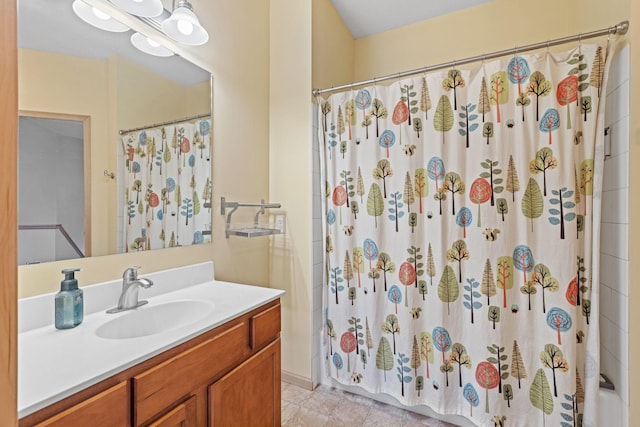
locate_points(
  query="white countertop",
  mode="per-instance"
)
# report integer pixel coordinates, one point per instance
(54, 364)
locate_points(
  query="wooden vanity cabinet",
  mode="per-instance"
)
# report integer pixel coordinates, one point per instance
(106, 409)
(229, 376)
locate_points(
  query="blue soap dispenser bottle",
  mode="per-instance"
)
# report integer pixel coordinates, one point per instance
(69, 304)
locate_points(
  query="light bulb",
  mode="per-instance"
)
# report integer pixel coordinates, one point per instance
(152, 42)
(185, 27)
(100, 14)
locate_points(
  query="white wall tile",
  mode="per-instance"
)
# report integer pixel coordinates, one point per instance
(619, 314)
(316, 371)
(314, 116)
(620, 101)
(606, 305)
(614, 240)
(615, 206)
(317, 206)
(623, 390)
(317, 274)
(317, 299)
(317, 229)
(315, 182)
(611, 338)
(619, 131)
(611, 367)
(608, 109)
(614, 265)
(614, 272)
(619, 71)
(616, 173)
(318, 247)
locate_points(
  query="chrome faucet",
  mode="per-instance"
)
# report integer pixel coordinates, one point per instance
(131, 284)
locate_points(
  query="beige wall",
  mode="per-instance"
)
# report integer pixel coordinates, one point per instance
(198, 99)
(290, 175)
(332, 47)
(241, 143)
(492, 26)
(145, 97)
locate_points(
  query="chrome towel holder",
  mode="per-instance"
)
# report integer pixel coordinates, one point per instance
(254, 230)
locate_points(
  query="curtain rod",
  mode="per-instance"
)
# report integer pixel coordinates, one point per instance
(155, 125)
(619, 29)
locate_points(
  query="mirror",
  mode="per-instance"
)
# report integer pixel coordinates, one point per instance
(52, 166)
(69, 68)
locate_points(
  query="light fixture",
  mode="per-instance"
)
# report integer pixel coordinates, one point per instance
(149, 46)
(97, 18)
(183, 26)
(145, 8)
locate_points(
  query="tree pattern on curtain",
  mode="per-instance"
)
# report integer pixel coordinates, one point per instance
(461, 209)
(168, 186)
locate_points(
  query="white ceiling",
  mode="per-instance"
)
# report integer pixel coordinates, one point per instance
(366, 17)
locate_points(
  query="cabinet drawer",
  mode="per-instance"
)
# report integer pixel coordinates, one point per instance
(158, 388)
(183, 415)
(107, 409)
(264, 327)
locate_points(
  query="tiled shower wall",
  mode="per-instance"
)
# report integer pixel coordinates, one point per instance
(614, 239)
(614, 263)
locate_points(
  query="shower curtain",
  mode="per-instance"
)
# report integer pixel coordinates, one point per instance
(461, 227)
(167, 186)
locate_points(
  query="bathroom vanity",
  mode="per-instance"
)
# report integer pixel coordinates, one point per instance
(221, 369)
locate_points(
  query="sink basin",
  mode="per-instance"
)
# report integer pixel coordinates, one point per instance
(153, 319)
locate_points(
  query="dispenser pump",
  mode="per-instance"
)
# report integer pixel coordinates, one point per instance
(70, 282)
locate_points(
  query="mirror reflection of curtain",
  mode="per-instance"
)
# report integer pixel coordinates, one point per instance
(167, 186)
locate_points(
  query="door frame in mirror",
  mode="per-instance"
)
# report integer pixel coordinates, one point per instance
(86, 130)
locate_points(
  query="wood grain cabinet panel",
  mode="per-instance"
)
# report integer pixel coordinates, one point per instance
(183, 415)
(107, 409)
(264, 327)
(249, 395)
(158, 388)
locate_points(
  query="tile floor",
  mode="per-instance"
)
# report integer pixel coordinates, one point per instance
(329, 407)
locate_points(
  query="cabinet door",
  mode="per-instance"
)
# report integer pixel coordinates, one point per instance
(249, 395)
(158, 388)
(107, 409)
(183, 415)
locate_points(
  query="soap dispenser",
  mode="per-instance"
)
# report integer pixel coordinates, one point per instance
(69, 302)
